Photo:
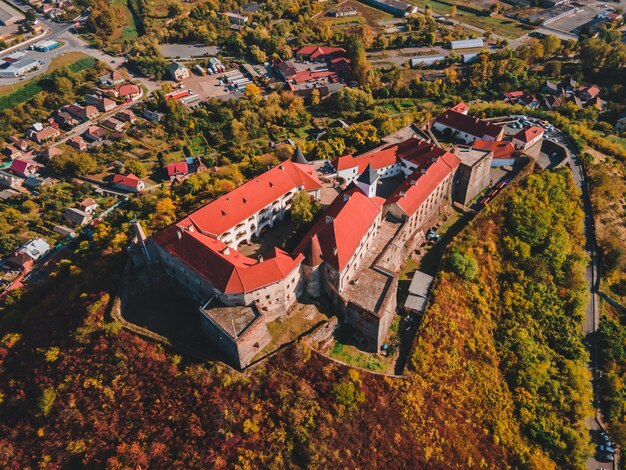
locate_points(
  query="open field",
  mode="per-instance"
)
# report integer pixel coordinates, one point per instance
(129, 30)
(366, 14)
(496, 24)
(57, 63)
(11, 95)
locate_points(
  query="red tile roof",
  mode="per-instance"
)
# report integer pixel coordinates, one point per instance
(320, 52)
(227, 211)
(460, 108)
(130, 180)
(128, 90)
(500, 148)
(414, 190)
(342, 227)
(307, 75)
(344, 162)
(527, 135)
(225, 268)
(178, 168)
(413, 150)
(469, 125)
(21, 167)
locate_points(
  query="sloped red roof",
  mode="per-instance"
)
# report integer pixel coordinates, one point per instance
(177, 168)
(20, 167)
(128, 90)
(414, 190)
(468, 124)
(315, 52)
(246, 200)
(342, 227)
(527, 135)
(501, 149)
(460, 108)
(225, 268)
(414, 150)
(130, 180)
(307, 75)
(344, 162)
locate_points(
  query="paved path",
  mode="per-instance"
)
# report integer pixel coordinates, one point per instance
(592, 317)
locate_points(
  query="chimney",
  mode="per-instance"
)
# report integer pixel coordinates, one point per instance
(226, 251)
(424, 170)
(223, 212)
(335, 251)
(179, 234)
(329, 219)
(402, 194)
(260, 258)
(191, 228)
(245, 200)
(413, 182)
(346, 197)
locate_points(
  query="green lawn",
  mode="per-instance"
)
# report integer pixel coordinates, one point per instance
(129, 30)
(197, 145)
(354, 357)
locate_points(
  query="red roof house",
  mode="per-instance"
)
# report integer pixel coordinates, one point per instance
(467, 128)
(129, 182)
(527, 137)
(320, 53)
(129, 91)
(23, 168)
(502, 150)
(176, 169)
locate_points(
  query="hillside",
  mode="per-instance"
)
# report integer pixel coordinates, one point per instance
(497, 375)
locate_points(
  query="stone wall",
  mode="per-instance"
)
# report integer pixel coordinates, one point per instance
(241, 350)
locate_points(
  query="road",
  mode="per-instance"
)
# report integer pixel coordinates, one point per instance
(71, 43)
(592, 317)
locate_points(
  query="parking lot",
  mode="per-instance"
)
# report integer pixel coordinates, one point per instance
(208, 86)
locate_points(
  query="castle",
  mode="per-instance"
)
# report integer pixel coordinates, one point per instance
(351, 255)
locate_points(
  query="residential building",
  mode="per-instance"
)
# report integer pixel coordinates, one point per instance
(44, 135)
(111, 79)
(129, 91)
(51, 152)
(521, 97)
(178, 71)
(12, 152)
(77, 142)
(21, 144)
(89, 206)
(589, 93)
(127, 115)
(528, 137)
(129, 182)
(177, 169)
(76, 216)
(113, 124)
(620, 125)
(154, 116)
(95, 134)
(320, 53)
(35, 248)
(466, 128)
(503, 151)
(23, 168)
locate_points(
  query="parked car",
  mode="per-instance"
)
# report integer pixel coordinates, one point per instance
(606, 449)
(605, 438)
(605, 457)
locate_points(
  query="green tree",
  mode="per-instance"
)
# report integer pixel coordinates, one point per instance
(463, 264)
